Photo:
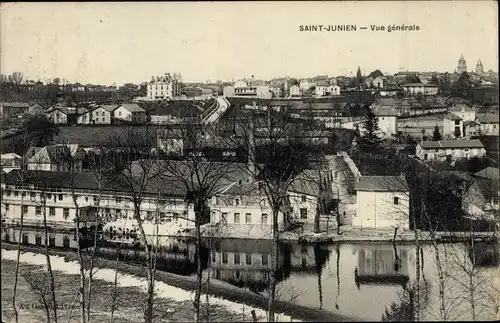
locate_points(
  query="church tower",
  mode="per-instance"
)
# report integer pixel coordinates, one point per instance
(462, 65)
(479, 67)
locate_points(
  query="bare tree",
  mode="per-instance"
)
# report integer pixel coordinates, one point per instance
(278, 150)
(133, 173)
(200, 177)
(17, 79)
(39, 282)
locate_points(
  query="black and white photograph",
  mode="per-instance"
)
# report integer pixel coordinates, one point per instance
(249, 161)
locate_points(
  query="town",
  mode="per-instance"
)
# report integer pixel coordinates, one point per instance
(334, 183)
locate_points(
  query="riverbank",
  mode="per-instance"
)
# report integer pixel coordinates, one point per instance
(221, 293)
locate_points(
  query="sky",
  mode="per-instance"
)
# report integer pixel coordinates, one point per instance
(106, 43)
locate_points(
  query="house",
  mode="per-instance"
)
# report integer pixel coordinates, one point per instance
(463, 111)
(471, 128)
(481, 199)
(36, 109)
(56, 158)
(452, 149)
(54, 191)
(102, 114)
(453, 126)
(241, 208)
(488, 123)
(163, 87)
(333, 90)
(424, 89)
(10, 161)
(64, 115)
(382, 203)
(387, 121)
(306, 84)
(380, 82)
(171, 141)
(12, 109)
(321, 88)
(295, 91)
(369, 81)
(173, 113)
(130, 112)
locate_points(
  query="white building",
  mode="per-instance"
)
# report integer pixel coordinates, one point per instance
(52, 191)
(454, 120)
(424, 89)
(387, 121)
(455, 149)
(488, 123)
(295, 91)
(306, 84)
(382, 203)
(321, 88)
(131, 112)
(163, 87)
(10, 161)
(379, 82)
(103, 114)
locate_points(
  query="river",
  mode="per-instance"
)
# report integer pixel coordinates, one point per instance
(356, 280)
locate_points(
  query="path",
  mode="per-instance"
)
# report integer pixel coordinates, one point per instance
(342, 179)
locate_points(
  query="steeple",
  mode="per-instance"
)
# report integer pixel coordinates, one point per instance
(479, 67)
(462, 65)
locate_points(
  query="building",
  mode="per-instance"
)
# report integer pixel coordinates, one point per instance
(450, 149)
(12, 109)
(453, 121)
(488, 123)
(462, 65)
(10, 161)
(102, 114)
(471, 128)
(479, 67)
(382, 202)
(321, 88)
(163, 87)
(242, 208)
(130, 112)
(258, 91)
(56, 158)
(424, 89)
(52, 191)
(295, 91)
(65, 115)
(379, 82)
(306, 84)
(387, 121)
(481, 198)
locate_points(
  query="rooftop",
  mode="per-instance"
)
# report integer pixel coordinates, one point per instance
(15, 104)
(382, 184)
(452, 116)
(421, 84)
(461, 107)
(474, 143)
(487, 117)
(132, 107)
(489, 172)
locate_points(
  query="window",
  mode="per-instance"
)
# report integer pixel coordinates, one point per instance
(237, 202)
(213, 256)
(303, 213)
(32, 195)
(60, 197)
(425, 156)
(6, 207)
(38, 210)
(7, 193)
(396, 200)
(52, 211)
(149, 216)
(224, 257)
(263, 218)
(25, 238)
(52, 241)
(224, 218)
(466, 149)
(304, 198)
(66, 213)
(265, 259)
(49, 196)
(24, 209)
(248, 218)
(16, 193)
(38, 240)
(236, 218)
(236, 258)
(457, 122)
(118, 199)
(248, 259)
(303, 249)
(304, 262)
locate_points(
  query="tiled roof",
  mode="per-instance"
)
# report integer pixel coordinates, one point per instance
(474, 143)
(420, 85)
(489, 172)
(385, 111)
(468, 123)
(132, 107)
(87, 181)
(452, 116)
(382, 184)
(109, 107)
(460, 107)
(487, 117)
(15, 104)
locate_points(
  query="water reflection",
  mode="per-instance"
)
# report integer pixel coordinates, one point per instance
(380, 264)
(358, 280)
